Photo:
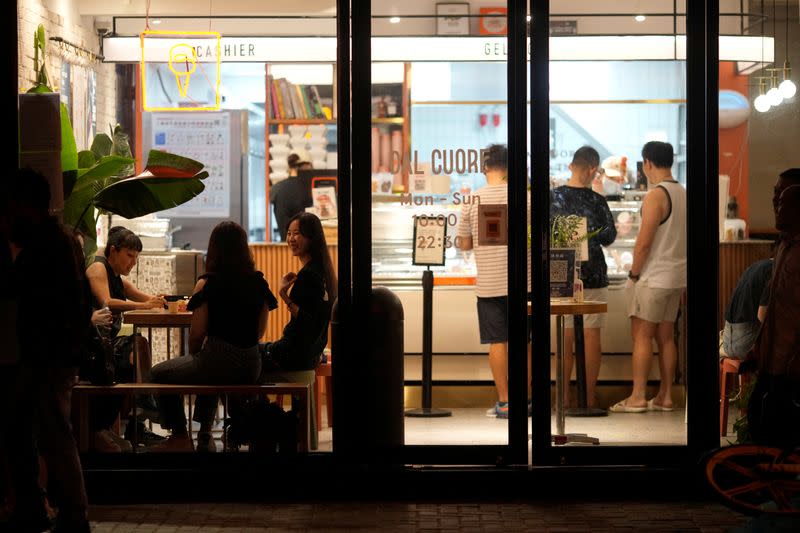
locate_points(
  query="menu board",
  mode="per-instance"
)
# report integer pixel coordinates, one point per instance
(562, 272)
(204, 137)
(430, 237)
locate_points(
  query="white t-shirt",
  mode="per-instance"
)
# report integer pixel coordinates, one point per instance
(491, 261)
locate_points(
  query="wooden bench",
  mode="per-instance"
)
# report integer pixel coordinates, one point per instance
(81, 393)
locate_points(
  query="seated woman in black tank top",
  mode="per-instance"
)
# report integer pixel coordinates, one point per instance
(230, 306)
(109, 289)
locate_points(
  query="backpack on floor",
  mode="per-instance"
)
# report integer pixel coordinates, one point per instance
(263, 426)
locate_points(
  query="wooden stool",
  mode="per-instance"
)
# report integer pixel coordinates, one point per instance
(727, 366)
(324, 375)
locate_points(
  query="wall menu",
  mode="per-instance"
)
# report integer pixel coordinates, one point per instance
(430, 236)
(204, 137)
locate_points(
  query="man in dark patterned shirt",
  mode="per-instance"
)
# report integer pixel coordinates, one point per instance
(578, 198)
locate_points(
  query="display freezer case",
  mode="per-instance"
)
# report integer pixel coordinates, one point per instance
(392, 242)
(619, 254)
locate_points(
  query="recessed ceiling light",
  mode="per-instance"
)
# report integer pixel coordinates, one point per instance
(639, 18)
(394, 20)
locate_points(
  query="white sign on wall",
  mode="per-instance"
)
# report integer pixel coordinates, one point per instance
(204, 137)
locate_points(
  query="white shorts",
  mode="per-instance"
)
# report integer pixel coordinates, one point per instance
(596, 320)
(653, 304)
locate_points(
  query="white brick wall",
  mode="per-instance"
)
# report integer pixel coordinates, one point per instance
(70, 27)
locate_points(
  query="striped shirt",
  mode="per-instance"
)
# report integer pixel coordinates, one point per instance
(491, 261)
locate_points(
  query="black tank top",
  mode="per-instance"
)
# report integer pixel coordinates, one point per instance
(116, 290)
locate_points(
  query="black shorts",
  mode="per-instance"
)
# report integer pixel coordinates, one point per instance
(493, 320)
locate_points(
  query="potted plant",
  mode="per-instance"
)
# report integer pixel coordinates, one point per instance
(101, 180)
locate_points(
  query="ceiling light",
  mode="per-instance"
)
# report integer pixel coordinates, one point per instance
(787, 88)
(775, 97)
(394, 20)
(528, 18)
(761, 103)
(639, 18)
(156, 21)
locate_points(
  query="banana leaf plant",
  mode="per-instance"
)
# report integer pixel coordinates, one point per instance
(101, 181)
(168, 180)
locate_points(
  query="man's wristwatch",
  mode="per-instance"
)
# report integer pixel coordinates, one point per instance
(634, 277)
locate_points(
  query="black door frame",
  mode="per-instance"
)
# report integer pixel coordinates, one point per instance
(355, 239)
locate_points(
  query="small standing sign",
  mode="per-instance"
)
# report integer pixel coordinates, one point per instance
(430, 236)
(562, 272)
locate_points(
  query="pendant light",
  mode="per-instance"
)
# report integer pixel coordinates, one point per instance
(787, 87)
(762, 102)
(774, 95)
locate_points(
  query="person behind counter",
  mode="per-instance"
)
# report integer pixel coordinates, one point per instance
(230, 304)
(290, 196)
(577, 198)
(309, 295)
(656, 281)
(491, 286)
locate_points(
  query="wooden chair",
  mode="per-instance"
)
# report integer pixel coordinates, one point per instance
(727, 367)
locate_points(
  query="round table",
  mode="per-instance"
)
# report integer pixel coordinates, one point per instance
(561, 308)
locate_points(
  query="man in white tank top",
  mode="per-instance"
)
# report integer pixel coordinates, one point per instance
(657, 279)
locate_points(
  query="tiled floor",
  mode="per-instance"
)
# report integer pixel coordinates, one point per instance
(473, 427)
(549, 516)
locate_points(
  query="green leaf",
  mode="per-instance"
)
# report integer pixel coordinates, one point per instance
(164, 164)
(101, 146)
(40, 40)
(78, 212)
(69, 150)
(144, 194)
(69, 178)
(86, 159)
(107, 167)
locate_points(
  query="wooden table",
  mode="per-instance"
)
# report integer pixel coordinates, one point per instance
(158, 318)
(561, 308)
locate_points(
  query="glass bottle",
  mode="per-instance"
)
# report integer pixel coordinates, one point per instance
(577, 293)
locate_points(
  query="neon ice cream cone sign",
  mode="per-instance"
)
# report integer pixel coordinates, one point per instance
(188, 55)
(182, 63)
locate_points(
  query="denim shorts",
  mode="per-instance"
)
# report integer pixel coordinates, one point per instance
(739, 338)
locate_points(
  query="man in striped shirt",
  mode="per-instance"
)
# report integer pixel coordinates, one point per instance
(492, 264)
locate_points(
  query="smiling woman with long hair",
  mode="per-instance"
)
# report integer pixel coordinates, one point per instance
(309, 296)
(230, 305)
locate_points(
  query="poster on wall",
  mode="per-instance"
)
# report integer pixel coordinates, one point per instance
(204, 137)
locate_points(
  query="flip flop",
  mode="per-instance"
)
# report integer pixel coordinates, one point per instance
(622, 407)
(653, 406)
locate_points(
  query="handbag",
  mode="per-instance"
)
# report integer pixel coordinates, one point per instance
(98, 367)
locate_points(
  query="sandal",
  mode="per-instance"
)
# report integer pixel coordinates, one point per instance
(653, 406)
(622, 407)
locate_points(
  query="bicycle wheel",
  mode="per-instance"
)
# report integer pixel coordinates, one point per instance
(756, 479)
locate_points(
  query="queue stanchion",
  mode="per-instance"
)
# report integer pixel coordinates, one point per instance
(430, 241)
(426, 411)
